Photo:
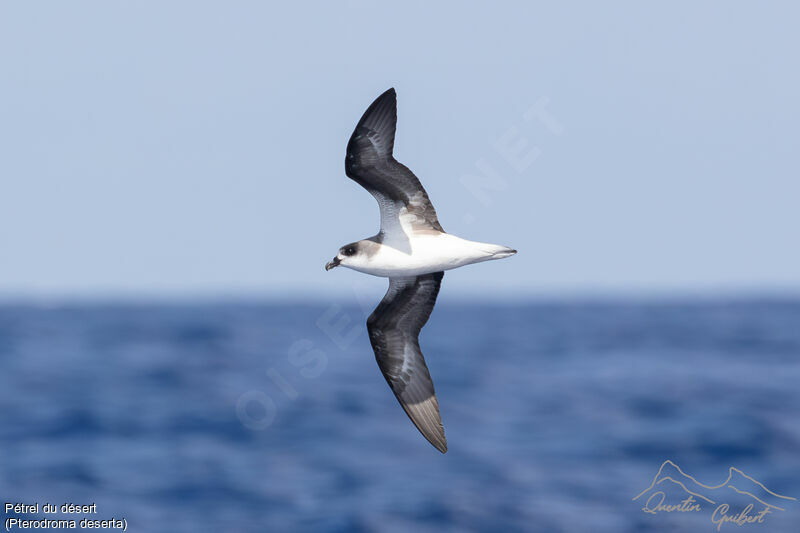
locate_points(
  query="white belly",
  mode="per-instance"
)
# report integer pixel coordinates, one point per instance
(430, 253)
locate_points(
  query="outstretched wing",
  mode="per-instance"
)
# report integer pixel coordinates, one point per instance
(405, 206)
(394, 329)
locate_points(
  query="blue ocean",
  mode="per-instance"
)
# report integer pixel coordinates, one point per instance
(254, 417)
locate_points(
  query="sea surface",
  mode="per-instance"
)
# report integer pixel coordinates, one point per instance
(274, 417)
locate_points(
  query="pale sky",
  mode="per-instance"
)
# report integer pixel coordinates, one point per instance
(197, 148)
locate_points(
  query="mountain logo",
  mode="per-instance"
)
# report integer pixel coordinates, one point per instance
(739, 500)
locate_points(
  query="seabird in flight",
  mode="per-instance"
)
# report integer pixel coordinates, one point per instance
(413, 251)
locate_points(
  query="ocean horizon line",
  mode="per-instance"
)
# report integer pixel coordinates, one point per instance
(675, 296)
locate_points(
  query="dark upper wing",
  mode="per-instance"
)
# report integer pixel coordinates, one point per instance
(370, 163)
(394, 329)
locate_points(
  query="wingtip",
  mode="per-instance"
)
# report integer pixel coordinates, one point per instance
(373, 136)
(436, 437)
(426, 418)
(437, 441)
(387, 95)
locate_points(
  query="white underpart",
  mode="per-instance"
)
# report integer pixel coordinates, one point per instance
(430, 252)
(410, 247)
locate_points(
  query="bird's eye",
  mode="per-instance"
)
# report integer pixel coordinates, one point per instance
(349, 251)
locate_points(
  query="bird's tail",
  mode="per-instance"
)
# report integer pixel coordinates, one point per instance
(504, 252)
(499, 252)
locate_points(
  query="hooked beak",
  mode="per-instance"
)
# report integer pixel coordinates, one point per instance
(333, 263)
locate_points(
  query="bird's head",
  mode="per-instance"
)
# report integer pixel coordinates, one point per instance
(350, 255)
